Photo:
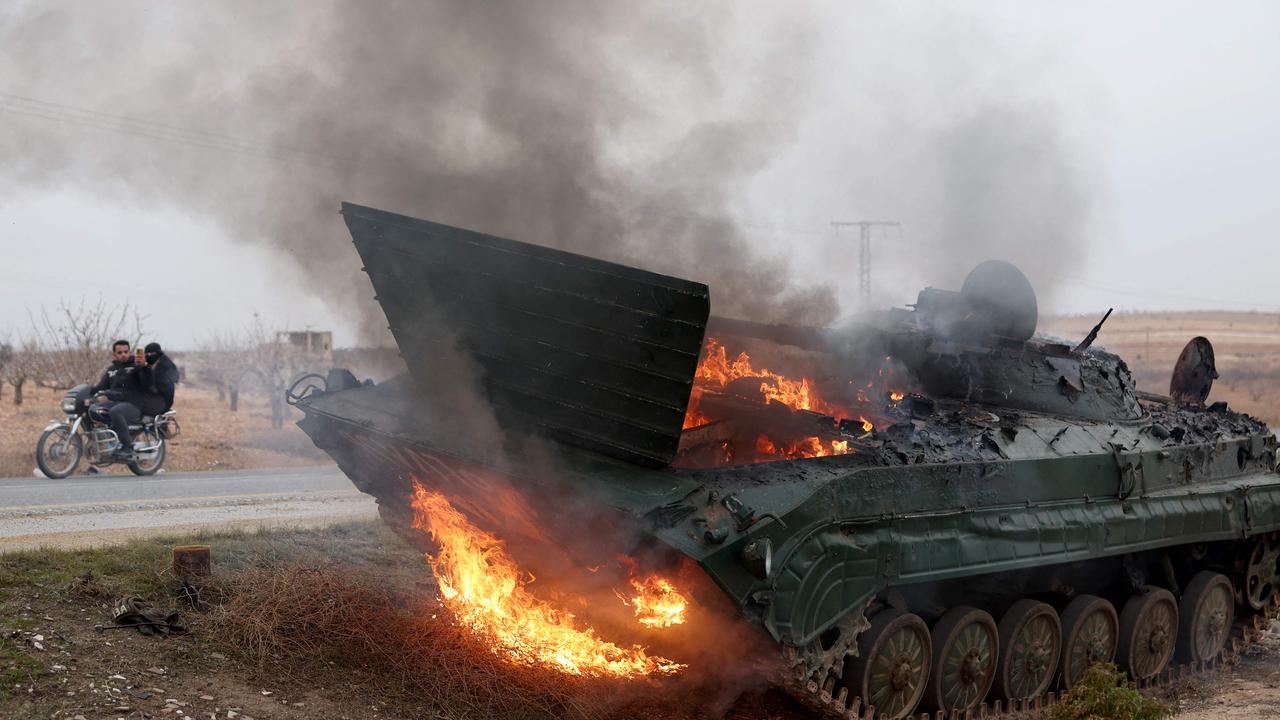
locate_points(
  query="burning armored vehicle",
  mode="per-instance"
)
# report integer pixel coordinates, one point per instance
(934, 510)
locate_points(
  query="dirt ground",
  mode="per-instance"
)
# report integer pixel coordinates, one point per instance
(1246, 346)
(1249, 691)
(53, 665)
(213, 437)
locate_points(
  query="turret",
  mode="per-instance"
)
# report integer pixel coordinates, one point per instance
(978, 345)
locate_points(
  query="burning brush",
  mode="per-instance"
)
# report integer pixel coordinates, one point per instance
(489, 594)
(656, 602)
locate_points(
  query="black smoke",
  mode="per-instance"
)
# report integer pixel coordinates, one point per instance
(526, 120)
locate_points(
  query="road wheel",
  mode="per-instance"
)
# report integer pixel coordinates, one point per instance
(1030, 644)
(1261, 577)
(964, 660)
(892, 666)
(58, 452)
(1205, 611)
(1090, 631)
(1148, 631)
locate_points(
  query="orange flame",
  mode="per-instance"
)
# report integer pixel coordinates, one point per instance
(896, 396)
(486, 591)
(694, 416)
(809, 447)
(867, 425)
(656, 602)
(716, 371)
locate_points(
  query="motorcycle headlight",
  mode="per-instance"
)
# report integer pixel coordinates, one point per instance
(69, 405)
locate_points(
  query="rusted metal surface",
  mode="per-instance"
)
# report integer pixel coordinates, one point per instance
(1194, 373)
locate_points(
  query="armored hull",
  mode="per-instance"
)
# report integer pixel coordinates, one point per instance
(1018, 514)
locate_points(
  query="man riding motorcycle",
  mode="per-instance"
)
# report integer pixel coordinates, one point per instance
(121, 358)
(125, 396)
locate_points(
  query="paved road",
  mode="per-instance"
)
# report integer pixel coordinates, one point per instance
(95, 510)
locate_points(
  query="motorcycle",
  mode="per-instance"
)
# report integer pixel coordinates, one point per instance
(87, 432)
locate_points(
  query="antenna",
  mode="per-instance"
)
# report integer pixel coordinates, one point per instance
(864, 249)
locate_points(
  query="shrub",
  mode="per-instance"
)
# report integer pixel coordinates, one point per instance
(1104, 694)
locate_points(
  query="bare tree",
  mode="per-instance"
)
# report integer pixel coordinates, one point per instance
(24, 365)
(72, 341)
(224, 360)
(257, 358)
(6, 357)
(275, 361)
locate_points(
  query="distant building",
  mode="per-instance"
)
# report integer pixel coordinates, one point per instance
(317, 342)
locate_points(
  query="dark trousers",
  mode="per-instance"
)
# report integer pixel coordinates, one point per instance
(123, 413)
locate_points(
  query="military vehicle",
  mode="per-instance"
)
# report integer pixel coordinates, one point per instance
(969, 541)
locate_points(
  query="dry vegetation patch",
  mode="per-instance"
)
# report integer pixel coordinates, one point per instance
(344, 623)
(310, 623)
(341, 622)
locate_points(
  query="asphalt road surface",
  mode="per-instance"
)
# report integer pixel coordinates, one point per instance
(87, 510)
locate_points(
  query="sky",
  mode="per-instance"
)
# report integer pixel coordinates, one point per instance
(1157, 118)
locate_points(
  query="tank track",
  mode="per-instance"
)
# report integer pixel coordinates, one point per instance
(817, 690)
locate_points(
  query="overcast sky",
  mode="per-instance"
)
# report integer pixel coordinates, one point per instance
(1162, 116)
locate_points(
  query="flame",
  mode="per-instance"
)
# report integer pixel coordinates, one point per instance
(811, 446)
(895, 396)
(716, 371)
(867, 425)
(694, 416)
(656, 602)
(487, 592)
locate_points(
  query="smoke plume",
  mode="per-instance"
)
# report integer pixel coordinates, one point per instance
(626, 131)
(518, 119)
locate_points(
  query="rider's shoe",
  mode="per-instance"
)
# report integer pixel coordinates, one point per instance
(123, 456)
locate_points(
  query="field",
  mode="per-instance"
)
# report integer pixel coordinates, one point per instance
(1246, 346)
(213, 437)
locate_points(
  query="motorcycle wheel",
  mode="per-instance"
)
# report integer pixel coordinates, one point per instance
(148, 463)
(58, 452)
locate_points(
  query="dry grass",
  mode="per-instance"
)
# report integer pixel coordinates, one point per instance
(344, 617)
(300, 621)
(213, 438)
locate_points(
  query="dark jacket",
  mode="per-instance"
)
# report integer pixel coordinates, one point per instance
(158, 381)
(117, 377)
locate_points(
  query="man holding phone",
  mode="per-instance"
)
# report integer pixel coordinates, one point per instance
(158, 376)
(120, 383)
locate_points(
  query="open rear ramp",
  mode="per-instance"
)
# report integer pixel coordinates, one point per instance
(590, 353)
